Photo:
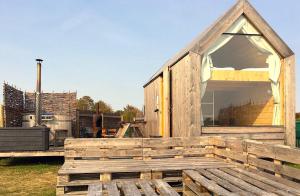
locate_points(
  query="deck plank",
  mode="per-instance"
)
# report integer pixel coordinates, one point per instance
(239, 182)
(256, 182)
(223, 182)
(209, 184)
(271, 180)
(164, 188)
(95, 190)
(130, 189)
(112, 189)
(146, 187)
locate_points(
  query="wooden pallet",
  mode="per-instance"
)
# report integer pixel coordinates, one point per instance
(81, 173)
(93, 160)
(229, 181)
(125, 187)
(131, 188)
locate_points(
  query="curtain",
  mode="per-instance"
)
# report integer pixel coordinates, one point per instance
(207, 63)
(273, 61)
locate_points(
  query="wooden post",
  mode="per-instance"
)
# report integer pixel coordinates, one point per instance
(289, 73)
(166, 102)
(146, 175)
(105, 177)
(157, 174)
(178, 148)
(210, 154)
(277, 163)
(161, 111)
(60, 191)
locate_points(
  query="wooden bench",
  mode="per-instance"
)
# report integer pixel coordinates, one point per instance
(89, 161)
(132, 188)
(263, 169)
(92, 160)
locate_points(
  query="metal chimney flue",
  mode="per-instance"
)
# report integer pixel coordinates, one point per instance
(38, 105)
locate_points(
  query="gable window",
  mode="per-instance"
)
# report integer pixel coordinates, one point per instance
(240, 79)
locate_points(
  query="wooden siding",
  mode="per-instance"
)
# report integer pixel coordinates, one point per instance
(289, 92)
(186, 96)
(268, 134)
(151, 92)
(180, 85)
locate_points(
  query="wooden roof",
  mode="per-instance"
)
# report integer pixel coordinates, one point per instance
(210, 35)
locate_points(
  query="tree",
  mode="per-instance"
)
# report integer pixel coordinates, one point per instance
(297, 116)
(85, 103)
(130, 112)
(119, 112)
(104, 107)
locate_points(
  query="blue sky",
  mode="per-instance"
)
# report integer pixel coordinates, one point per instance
(109, 49)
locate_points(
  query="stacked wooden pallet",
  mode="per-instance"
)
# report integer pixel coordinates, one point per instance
(230, 181)
(264, 169)
(93, 160)
(130, 188)
(90, 161)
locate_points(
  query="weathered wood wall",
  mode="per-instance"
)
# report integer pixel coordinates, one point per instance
(290, 100)
(152, 99)
(180, 86)
(274, 135)
(185, 94)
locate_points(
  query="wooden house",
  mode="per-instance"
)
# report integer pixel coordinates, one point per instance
(235, 79)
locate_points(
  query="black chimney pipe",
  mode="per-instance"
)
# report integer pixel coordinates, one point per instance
(38, 104)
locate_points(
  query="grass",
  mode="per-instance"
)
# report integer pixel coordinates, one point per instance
(29, 176)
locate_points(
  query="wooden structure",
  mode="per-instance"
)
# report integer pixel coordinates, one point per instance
(232, 181)
(129, 188)
(91, 121)
(129, 130)
(1, 116)
(178, 92)
(263, 169)
(90, 161)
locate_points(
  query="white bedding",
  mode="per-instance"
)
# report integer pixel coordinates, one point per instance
(222, 68)
(246, 69)
(255, 69)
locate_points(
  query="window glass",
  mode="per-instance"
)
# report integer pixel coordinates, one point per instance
(227, 103)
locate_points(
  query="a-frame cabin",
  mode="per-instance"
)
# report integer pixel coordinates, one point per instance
(235, 79)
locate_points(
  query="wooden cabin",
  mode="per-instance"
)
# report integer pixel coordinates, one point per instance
(235, 79)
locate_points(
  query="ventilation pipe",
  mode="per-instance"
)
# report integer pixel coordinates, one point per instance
(38, 104)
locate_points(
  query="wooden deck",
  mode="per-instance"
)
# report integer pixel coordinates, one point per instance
(52, 152)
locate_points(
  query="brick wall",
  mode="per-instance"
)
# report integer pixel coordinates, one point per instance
(13, 100)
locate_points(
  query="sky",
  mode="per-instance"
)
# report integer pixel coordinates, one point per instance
(109, 49)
